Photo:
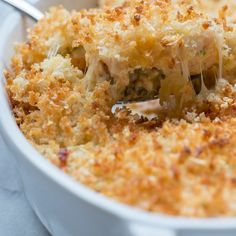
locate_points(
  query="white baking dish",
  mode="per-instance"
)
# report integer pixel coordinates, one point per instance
(66, 207)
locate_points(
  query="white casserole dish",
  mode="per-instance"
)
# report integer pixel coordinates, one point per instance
(66, 207)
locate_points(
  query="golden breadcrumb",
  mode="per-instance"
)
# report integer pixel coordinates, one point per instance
(112, 3)
(175, 156)
(212, 7)
(177, 41)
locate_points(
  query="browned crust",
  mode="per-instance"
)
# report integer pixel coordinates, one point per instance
(181, 165)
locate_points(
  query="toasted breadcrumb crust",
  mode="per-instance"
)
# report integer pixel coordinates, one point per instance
(74, 67)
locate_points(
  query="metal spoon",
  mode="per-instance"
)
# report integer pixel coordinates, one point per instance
(26, 8)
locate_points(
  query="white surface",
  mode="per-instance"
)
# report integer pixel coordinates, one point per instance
(16, 216)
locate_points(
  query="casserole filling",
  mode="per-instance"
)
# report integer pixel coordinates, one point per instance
(175, 155)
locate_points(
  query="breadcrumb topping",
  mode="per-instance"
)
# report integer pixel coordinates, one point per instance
(173, 156)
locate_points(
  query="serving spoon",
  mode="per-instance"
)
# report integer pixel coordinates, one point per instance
(25, 8)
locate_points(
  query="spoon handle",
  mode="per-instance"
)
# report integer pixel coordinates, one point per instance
(26, 8)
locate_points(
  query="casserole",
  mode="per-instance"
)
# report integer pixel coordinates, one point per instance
(68, 208)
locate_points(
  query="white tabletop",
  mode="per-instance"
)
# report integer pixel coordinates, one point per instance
(16, 216)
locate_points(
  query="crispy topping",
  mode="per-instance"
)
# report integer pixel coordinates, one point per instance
(64, 82)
